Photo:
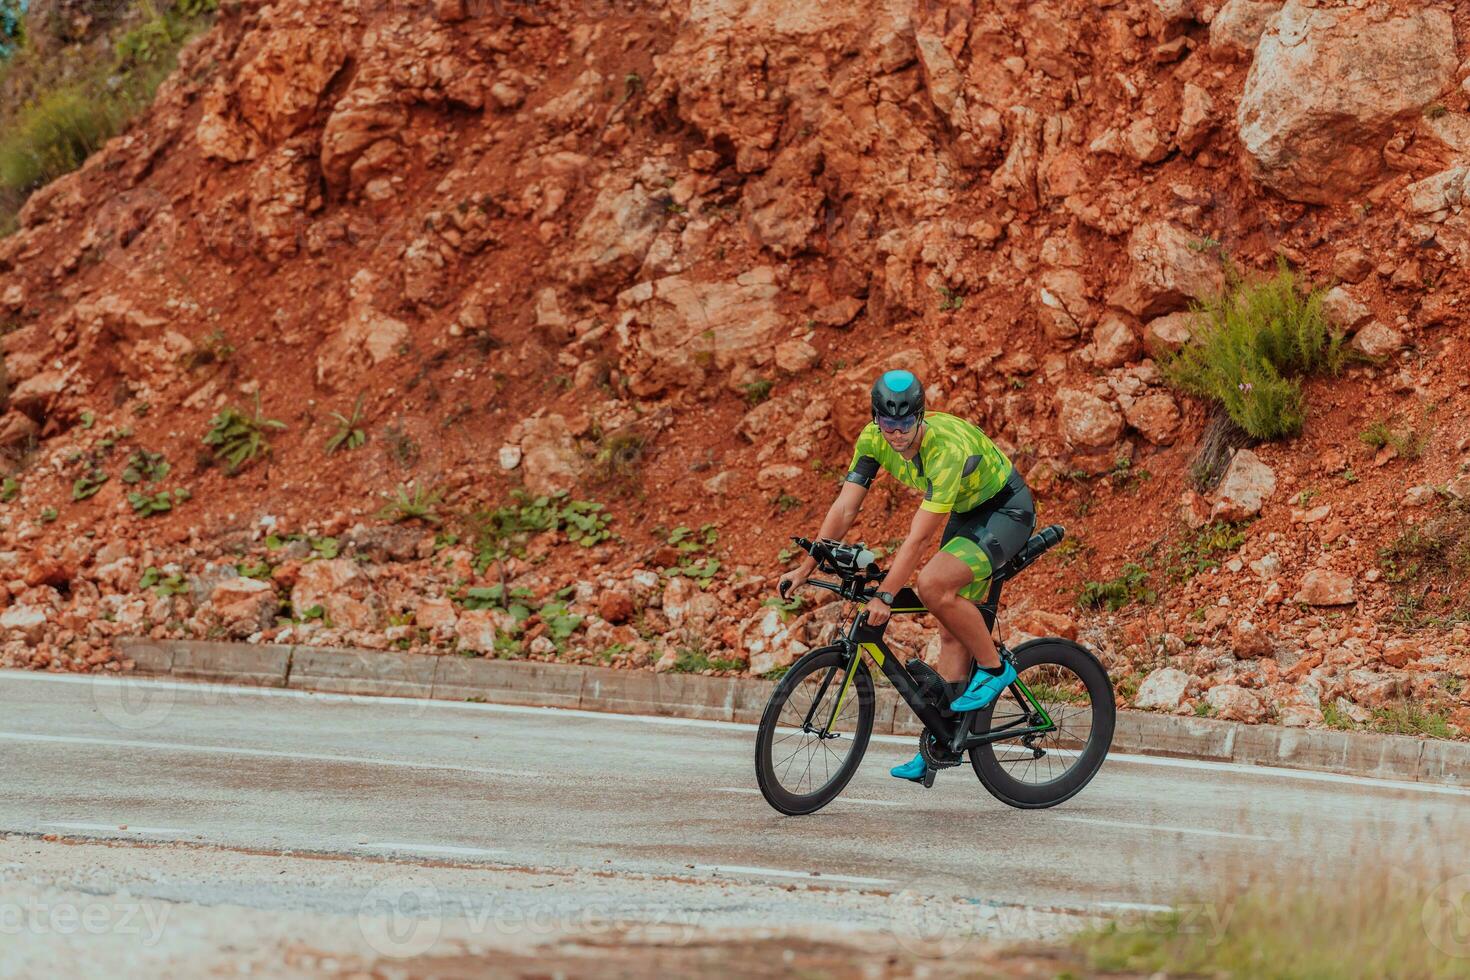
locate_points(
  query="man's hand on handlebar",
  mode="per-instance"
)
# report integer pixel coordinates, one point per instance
(792, 580)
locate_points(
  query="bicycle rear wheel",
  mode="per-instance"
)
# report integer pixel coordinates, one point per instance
(1050, 768)
(813, 734)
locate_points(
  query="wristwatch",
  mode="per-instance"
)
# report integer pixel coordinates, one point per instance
(886, 597)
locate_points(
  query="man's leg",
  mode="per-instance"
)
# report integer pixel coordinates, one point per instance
(954, 657)
(939, 584)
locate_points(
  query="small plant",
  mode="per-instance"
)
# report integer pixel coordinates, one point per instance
(1334, 717)
(9, 489)
(949, 299)
(48, 514)
(786, 502)
(348, 435)
(255, 570)
(413, 502)
(1200, 552)
(787, 607)
(1130, 586)
(1408, 445)
(504, 530)
(238, 438)
(1436, 110)
(758, 391)
(1204, 244)
(148, 504)
(145, 466)
(1349, 476)
(693, 660)
(692, 547)
(88, 484)
(163, 585)
(324, 548)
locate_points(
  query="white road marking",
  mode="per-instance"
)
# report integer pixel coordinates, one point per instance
(261, 753)
(1157, 828)
(434, 849)
(781, 873)
(419, 704)
(113, 828)
(745, 791)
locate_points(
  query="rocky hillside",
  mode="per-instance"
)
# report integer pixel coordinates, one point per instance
(295, 357)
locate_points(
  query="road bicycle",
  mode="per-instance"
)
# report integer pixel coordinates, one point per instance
(1035, 746)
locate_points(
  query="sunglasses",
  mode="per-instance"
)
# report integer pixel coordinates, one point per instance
(890, 424)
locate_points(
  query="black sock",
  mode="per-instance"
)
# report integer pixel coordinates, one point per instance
(994, 671)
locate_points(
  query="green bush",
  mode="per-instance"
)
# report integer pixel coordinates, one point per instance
(237, 438)
(53, 136)
(1257, 339)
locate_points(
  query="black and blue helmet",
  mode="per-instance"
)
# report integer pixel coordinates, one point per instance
(898, 394)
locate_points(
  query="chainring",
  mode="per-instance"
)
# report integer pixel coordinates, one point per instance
(935, 755)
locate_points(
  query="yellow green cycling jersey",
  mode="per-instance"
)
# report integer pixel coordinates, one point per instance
(957, 467)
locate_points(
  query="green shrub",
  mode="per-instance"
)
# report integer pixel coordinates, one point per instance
(1130, 586)
(1256, 340)
(53, 136)
(238, 438)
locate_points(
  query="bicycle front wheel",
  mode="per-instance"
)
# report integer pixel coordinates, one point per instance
(1076, 695)
(814, 731)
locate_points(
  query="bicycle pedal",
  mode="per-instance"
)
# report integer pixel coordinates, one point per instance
(928, 779)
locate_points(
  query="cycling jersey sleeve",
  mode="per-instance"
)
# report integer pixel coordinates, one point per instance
(944, 473)
(864, 465)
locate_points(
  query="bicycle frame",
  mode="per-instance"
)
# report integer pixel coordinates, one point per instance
(862, 638)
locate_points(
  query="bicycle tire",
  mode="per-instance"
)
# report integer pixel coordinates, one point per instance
(992, 772)
(767, 777)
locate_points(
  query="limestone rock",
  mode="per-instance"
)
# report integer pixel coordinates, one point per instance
(1163, 689)
(1324, 587)
(1329, 86)
(1377, 340)
(1237, 26)
(1114, 342)
(1156, 415)
(1168, 334)
(1168, 269)
(1086, 421)
(549, 459)
(1234, 703)
(243, 606)
(1248, 483)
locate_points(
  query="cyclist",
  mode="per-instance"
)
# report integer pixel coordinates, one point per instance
(972, 489)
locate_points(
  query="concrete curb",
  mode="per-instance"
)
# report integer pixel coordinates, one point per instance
(454, 678)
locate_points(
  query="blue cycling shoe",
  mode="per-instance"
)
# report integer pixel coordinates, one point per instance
(913, 769)
(984, 689)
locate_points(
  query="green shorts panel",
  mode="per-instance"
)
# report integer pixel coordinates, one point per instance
(975, 557)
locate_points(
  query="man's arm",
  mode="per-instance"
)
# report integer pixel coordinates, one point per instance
(921, 531)
(839, 519)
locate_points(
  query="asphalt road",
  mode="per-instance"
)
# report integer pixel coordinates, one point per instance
(415, 781)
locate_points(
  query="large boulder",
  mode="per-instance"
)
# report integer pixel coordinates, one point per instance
(675, 329)
(1328, 88)
(1169, 267)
